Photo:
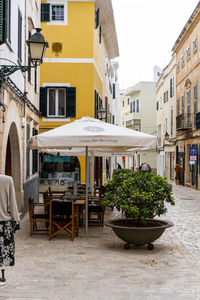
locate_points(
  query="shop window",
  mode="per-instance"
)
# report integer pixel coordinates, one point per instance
(59, 170)
(137, 125)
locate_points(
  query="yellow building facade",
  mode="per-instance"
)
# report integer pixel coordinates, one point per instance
(75, 73)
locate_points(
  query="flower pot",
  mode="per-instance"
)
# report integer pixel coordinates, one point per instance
(131, 233)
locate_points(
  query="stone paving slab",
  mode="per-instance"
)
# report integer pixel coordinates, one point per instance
(98, 268)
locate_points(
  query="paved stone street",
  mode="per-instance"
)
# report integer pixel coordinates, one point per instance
(99, 268)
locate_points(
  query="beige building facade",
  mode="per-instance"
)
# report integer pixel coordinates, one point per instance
(166, 120)
(187, 50)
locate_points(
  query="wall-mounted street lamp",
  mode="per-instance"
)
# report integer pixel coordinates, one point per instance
(37, 46)
(166, 136)
(170, 141)
(101, 113)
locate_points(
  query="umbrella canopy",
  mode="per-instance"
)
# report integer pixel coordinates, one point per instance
(108, 152)
(92, 133)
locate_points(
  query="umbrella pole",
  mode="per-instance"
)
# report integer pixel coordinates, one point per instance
(86, 192)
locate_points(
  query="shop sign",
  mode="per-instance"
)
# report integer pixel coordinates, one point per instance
(56, 158)
(193, 154)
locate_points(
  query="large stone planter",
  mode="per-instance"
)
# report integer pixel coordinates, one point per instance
(127, 230)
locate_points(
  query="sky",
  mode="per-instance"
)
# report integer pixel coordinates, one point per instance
(146, 32)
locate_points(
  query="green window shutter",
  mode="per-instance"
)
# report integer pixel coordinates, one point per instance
(71, 102)
(34, 156)
(96, 104)
(3, 12)
(45, 12)
(43, 101)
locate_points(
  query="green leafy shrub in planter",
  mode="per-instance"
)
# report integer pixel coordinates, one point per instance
(139, 195)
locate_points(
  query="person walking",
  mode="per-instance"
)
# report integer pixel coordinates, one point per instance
(177, 171)
(9, 223)
(145, 168)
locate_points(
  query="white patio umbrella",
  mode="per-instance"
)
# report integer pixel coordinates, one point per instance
(92, 133)
(108, 152)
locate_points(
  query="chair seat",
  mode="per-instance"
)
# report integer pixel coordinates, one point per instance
(40, 216)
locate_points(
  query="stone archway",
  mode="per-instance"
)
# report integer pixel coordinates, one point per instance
(12, 162)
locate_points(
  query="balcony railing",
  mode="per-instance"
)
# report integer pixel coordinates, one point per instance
(198, 120)
(184, 122)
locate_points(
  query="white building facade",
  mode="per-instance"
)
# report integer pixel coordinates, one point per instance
(138, 112)
(19, 104)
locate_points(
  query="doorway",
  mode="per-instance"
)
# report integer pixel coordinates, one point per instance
(13, 161)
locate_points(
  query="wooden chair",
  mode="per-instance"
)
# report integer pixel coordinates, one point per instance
(37, 217)
(95, 211)
(61, 218)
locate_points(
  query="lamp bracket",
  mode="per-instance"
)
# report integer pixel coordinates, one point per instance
(8, 70)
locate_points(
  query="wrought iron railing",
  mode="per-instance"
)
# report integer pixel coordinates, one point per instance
(184, 121)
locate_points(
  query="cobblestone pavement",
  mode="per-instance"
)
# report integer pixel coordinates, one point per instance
(98, 267)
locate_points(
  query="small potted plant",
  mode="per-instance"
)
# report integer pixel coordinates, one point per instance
(140, 197)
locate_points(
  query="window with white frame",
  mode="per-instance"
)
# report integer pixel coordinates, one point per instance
(194, 44)
(160, 103)
(188, 53)
(159, 134)
(57, 12)
(133, 106)
(177, 67)
(56, 102)
(182, 60)
(165, 128)
(54, 12)
(137, 105)
(182, 104)
(172, 122)
(178, 106)
(171, 86)
(195, 103)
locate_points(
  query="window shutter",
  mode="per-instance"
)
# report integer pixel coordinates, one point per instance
(100, 35)
(34, 156)
(3, 6)
(43, 101)
(71, 102)
(95, 103)
(97, 18)
(45, 12)
(113, 90)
